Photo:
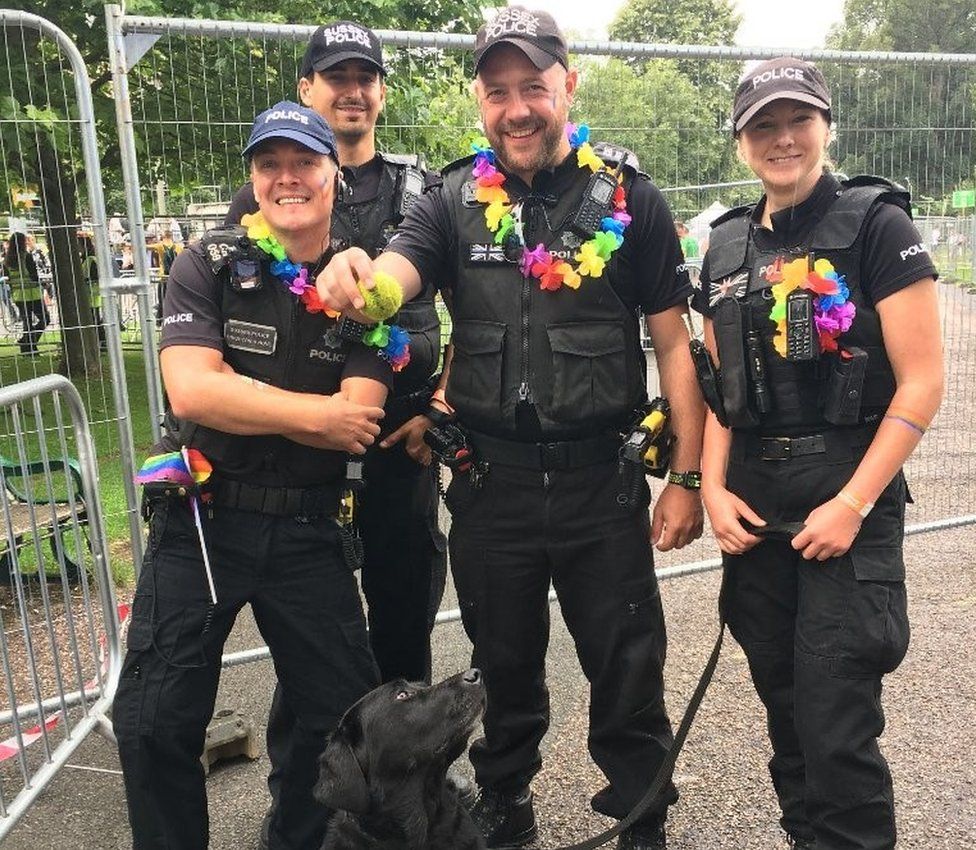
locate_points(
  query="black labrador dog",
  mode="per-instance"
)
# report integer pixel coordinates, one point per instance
(384, 768)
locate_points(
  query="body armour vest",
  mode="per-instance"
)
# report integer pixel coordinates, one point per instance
(741, 298)
(271, 337)
(573, 355)
(369, 224)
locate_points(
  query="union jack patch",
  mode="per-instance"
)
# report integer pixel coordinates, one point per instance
(485, 252)
(728, 286)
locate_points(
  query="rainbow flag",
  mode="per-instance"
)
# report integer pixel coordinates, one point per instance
(188, 467)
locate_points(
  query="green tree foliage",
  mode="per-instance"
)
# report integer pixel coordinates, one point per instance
(703, 99)
(192, 100)
(901, 121)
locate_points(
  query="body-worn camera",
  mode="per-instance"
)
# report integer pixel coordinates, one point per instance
(413, 188)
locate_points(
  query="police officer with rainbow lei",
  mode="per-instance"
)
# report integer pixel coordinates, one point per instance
(243, 331)
(552, 252)
(823, 315)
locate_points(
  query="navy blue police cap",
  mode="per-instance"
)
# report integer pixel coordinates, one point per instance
(290, 120)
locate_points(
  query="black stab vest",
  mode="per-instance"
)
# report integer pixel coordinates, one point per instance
(369, 225)
(574, 355)
(307, 357)
(737, 270)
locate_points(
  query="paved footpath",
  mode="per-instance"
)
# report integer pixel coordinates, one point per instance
(726, 798)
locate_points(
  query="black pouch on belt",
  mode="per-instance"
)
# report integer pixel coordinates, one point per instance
(730, 336)
(845, 387)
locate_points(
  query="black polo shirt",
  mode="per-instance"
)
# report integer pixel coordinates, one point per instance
(893, 256)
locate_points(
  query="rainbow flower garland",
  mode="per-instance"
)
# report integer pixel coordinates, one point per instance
(503, 217)
(833, 312)
(392, 341)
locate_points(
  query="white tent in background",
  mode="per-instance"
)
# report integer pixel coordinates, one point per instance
(700, 225)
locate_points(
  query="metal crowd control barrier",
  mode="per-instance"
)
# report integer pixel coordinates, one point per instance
(178, 122)
(59, 635)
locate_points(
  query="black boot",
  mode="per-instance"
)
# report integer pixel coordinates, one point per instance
(643, 836)
(796, 843)
(505, 820)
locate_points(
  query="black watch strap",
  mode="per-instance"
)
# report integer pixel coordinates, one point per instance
(437, 416)
(690, 480)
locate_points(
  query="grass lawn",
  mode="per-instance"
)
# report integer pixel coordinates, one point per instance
(97, 395)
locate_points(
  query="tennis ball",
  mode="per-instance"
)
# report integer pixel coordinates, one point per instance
(384, 299)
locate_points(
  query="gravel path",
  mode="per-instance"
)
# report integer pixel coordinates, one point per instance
(726, 799)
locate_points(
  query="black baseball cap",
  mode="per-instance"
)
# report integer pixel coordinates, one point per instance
(783, 78)
(536, 34)
(290, 120)
(334, 43)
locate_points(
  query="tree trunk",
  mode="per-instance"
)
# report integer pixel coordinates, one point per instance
(79, 341)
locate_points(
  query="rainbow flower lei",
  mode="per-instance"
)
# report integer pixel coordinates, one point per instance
(392, 341)
(833, 312)
(502, 218)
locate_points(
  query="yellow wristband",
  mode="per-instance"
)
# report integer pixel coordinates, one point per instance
(855, 503)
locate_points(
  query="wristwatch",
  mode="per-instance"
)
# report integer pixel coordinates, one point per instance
(690, 480)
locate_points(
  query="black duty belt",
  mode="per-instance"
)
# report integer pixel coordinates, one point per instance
(276, 501)
(836, 444)
(566, 454)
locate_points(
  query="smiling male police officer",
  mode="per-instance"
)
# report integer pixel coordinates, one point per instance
(247, 388)
(405, 559)
(547, 371)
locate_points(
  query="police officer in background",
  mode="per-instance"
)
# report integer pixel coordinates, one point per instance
(821, 307)
(547, 372)
(248, 389)
(405, 557)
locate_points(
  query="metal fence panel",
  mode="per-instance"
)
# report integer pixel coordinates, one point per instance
(50, 171)
(59, 641)
(195, 87)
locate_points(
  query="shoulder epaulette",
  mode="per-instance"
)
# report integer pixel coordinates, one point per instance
(411, 160)
(222, 244)
(735, 212)
(887, 190)
(463, 162)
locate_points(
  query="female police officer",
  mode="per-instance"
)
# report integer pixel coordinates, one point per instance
(821, 308)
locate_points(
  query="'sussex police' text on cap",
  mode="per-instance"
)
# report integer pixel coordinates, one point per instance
(288, 120)
(334, 43)
(536, 34)
(783, 78)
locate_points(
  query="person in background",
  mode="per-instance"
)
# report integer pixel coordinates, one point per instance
(26, 292)
(689, 245)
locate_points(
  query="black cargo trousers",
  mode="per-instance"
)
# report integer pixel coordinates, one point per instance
(818, 637)
(306, 604)
(404, 571)
(512, 535)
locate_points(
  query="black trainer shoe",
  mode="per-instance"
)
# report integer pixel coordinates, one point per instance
(643, 837)
(505, 820)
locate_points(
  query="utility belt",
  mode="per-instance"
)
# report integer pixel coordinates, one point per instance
(254, 498)
(545, 457)
(839, 444)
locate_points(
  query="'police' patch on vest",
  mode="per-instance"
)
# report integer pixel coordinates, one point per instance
(247, 336)
(486, 252)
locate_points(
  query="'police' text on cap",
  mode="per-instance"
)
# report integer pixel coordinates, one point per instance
(334, 43)
(289, 120)
(535, 33)
(783, 78)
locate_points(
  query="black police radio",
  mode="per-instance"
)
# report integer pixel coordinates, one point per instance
(595, 204)
(802, 340)
(413, 188)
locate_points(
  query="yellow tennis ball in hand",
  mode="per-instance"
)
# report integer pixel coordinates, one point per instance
(384, 299)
